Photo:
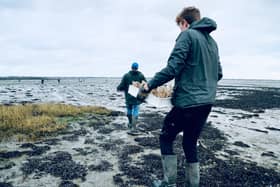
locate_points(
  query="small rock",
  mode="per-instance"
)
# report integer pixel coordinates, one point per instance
(240, 144)
(269, 153)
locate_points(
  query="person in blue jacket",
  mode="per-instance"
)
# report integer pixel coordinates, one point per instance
(132, 104)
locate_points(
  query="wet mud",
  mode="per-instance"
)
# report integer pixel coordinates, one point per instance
(214, 171)
(137, 158)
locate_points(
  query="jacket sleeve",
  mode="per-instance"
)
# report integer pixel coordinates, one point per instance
(176, 61)
(220, 71)
(122, 86)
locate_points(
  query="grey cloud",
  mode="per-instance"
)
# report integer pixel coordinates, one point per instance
(89, 36)
(15, 4)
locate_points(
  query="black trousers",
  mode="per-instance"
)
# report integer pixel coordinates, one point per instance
(190, 121)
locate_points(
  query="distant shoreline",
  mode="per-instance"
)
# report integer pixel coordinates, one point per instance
(89, 77)
(46, 78)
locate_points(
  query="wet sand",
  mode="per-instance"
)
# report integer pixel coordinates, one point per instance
(239, 146)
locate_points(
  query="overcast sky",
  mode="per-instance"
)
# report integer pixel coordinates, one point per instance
(103, 37)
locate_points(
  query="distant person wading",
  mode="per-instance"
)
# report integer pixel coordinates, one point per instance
(132, 104)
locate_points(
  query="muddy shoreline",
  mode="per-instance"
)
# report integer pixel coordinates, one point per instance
(99, 146)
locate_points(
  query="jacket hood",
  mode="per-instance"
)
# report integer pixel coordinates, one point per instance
(204, 24)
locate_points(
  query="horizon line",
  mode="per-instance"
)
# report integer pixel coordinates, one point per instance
(67, 77)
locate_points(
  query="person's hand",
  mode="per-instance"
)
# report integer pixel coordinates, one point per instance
(143, 92)
(145, 86)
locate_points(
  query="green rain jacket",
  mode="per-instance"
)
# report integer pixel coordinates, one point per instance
(195, 65)
(127, 79)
